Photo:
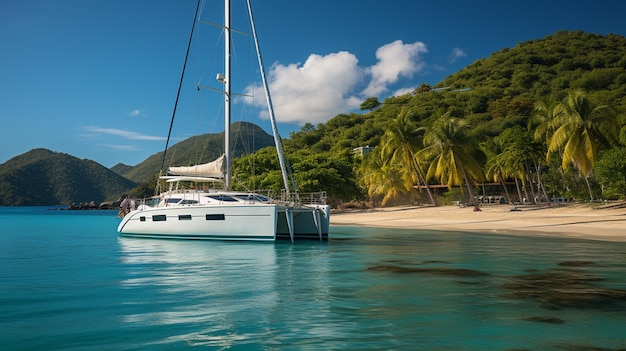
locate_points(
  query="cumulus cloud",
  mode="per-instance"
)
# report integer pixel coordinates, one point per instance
(395, 60)
(324, 86)
(121, 133)
(314, 91)
(456, 54)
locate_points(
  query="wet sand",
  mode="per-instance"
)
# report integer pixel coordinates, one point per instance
(585, 221)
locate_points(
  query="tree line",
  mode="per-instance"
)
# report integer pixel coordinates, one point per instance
(566, 143)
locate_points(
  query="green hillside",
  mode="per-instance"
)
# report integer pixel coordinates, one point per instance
(121, 169)
(489, 114)
(43, 177)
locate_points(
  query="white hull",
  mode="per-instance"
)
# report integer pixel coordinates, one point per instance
(237, 222)
(254, 222)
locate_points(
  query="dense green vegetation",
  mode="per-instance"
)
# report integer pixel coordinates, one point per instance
(545, 117)
(541, 120)
(43, 177)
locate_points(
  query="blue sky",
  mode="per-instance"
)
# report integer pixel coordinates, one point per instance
(97, 79)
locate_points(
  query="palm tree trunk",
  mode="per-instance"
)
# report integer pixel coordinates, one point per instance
(525, 189)
(418, 170)
(519, 191)
(529, 175)
(540, 183)
(591, 198)
(506, 191)
(472, 199)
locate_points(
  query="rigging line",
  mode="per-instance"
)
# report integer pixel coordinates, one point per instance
(284, 164)
(180, 84)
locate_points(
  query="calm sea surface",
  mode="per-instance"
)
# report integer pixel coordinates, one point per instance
(69, 282)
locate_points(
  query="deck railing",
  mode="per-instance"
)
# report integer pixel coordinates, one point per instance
(316, 198)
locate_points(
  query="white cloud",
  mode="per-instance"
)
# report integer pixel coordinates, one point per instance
(325, 86)
(395, 60)
(314, 91)
(457, 53)
(403, 91)
(135, 113)
(121, 133)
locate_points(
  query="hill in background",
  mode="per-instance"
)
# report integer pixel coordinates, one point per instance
(247, 139)
(44, 177)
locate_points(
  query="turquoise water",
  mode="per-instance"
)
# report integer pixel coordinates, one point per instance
(69, 282)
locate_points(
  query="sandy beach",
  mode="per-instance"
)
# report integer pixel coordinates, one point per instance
(596, 222)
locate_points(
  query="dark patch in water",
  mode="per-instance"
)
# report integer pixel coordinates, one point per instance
(573, 347)
(565, 289)
(576, 264)
(434, 261)
(446, 271)
(397, 261)
(463, 282)
(544, 319)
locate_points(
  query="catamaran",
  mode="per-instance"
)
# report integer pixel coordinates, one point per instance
(191, 212)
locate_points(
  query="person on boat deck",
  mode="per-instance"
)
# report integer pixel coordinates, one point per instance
(124, 207)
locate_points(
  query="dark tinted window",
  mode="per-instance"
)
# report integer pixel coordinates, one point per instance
(215, 217)
(224, 198)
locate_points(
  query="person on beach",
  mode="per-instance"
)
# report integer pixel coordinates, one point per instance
(124, 207)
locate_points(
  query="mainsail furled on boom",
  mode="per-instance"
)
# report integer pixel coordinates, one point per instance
(214, 169)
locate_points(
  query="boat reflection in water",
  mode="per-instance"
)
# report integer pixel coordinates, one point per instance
(221, 294)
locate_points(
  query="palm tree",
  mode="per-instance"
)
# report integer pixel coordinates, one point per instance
(400, 144)
(382, 178)
(522, 158)
(449, 147)
(542, 125)
(542, 121)
(581, 131)
(423, 88)
(496, 169)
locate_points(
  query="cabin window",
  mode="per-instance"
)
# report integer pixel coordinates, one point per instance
(142, 219)
(172, 200)
(245, 197)
(184, 217)
(188, 202)
(262, 198)
(223, 198)
(215, 217)
(252, 197)
(159, 218)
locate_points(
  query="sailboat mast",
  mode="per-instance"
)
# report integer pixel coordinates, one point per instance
(277, 140)
(227, 91)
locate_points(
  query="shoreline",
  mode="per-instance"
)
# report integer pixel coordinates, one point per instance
(582, 221)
